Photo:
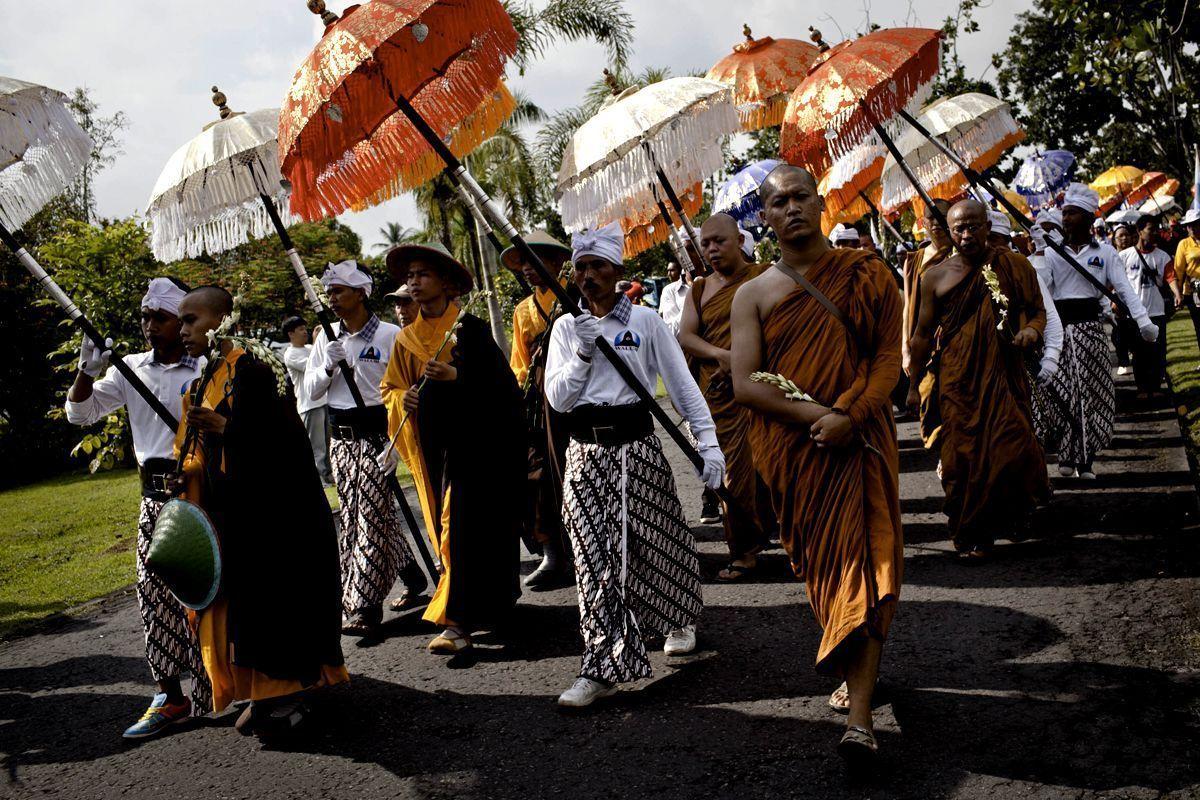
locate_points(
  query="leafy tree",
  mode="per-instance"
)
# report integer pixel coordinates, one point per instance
(393, 234)
(571, 20)
(952, 78)
(1113, 82)
(105, 133)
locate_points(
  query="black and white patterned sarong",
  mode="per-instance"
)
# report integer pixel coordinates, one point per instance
(635, 558)
(172, 649)
(373, 548)
(1081, 402)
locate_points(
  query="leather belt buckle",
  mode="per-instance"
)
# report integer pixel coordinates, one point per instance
(158, 483)
(602, 433)
(345, 431)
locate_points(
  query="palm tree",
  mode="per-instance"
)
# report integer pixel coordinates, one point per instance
(604, 21)
(394, 234)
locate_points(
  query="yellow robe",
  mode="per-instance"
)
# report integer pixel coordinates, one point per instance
(527, 326)
(230, 682)
(414, 347)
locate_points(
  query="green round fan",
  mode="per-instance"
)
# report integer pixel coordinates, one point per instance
(184, 552)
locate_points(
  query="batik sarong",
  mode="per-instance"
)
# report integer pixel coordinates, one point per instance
(172, 649)
(372, 544)
(635, 558)
(1079, 405)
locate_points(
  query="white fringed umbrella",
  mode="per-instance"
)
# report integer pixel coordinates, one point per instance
(208, 197)
(42, 150)
(979, 128)
(667, 133)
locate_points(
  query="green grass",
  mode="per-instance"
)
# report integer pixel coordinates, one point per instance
(64, 542)
(1183, 356)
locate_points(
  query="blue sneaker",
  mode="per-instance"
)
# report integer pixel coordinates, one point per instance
(158, 717)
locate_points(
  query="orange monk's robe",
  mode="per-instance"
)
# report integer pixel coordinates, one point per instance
(838, 508)
(978, 404)
(915, 266)
(465, 450)
(275, 627)
(747, 527)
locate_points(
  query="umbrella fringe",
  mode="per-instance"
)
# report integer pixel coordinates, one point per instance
(44, 150)
(687, 149)
(981, 146)
(758, 114)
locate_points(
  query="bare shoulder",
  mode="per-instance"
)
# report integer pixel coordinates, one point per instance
(763, 291)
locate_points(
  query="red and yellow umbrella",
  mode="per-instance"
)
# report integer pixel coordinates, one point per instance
(763, 73)
(1153, 184)
(845, 204)
(342, 137)
(854, 87)
(643, 231)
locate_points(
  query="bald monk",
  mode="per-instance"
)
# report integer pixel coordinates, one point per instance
(976, 401)
(838, 501)
(705, 334)
(915, 265)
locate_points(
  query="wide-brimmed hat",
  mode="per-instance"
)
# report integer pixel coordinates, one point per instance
(1191, 217)
(185, 554)
(398, 292)
(540, 241)
(434, 253)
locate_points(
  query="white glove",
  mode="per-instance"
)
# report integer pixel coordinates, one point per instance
(335, 352)
(1054, 236)
(587, 328)
(1048, 371)
(91, 361)
(1149, 332)
(714, 467)
(388, 460)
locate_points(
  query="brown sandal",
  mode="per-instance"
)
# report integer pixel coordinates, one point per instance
(409, 600)
(858, 746)
(839, 701)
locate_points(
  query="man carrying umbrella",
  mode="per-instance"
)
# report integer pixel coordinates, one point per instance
(987, 305)
(634, 553)
(706, 335)
(547, 442)
(829, 320)
(171, 646)
(374, 551)
(1084, 384)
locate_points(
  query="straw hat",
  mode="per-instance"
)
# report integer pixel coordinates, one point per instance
(400, 257)
(541, 242)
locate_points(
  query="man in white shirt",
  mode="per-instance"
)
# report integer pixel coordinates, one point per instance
(314, 413)
(1150, 270)
(635, 557)
(1084, 386)
(670, 305)
(171, 645)
(374, 550)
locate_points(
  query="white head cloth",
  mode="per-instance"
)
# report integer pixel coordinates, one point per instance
(1082, 197)
(347, 273)
(1053, 215)
(1000, 223)
(163, 295)
(843, 233)
(748, 242)
(607, 243)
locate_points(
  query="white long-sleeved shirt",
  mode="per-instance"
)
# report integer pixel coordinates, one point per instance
(152, 438)
(1158, 260)
(296, 361)
(645, 343)
(1101, 260)
(368, 352)
(670, 305)
(1053, 337)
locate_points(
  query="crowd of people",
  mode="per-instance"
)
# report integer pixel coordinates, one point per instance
(789, 378)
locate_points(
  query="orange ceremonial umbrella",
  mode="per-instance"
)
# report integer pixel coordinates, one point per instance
(763, 73)
(345, 132)
(644, 231)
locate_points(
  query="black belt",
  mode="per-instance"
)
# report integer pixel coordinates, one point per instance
(1078, 310)
(154, 474)
(357, 423)
(609, 425)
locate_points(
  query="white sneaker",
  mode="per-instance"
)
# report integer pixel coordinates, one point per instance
(584, 692)
(1122, 370)
(681, 641)
(1066, 472)
(1087, 475)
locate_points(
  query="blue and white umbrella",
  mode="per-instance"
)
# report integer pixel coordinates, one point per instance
(1043, 175)
(738, 196)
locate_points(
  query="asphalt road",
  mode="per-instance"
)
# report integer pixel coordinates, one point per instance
(1061, 669)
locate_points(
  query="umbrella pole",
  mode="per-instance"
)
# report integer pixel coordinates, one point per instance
(687, 223)
(908, 173)
(455, 167)
(77, 316)
(676, 243)
(886, 222)
(310, 293)
(977, 179)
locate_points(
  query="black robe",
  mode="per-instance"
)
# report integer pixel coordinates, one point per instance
(473, 439)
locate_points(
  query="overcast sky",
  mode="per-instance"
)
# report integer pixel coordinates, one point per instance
(156, 60)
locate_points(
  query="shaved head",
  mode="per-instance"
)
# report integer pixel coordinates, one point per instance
(779, 174)
(720, 221)
(211, 298)
(201, 311)
(792, 206)
(721, 243)
(969, 227)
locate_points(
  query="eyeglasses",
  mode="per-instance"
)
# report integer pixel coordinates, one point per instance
(966, 227)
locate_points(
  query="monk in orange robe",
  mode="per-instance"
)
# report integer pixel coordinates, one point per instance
(915, 265)
(832, 463)
(971, 385)
(705, 334)
(274, 629)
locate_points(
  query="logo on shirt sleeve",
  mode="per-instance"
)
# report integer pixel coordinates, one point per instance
(627, 340)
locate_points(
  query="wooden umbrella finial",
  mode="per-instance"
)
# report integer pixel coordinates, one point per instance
(746, 32)
(318, 7)
(611, 80)
(220, 101)
(815, 35)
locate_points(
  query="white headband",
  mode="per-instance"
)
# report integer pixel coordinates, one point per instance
(607, 243)
(347, 273)
(163, 295)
